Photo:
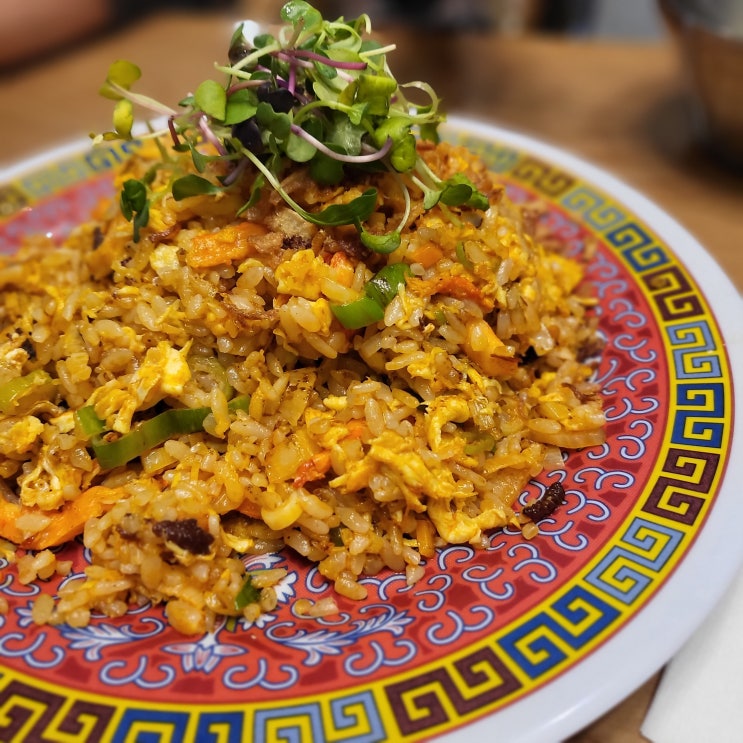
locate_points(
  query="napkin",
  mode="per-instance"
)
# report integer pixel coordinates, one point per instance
(700, 694)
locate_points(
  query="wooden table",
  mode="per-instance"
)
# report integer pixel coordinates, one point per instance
(619, 105)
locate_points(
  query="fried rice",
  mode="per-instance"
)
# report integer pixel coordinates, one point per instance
(362, 449)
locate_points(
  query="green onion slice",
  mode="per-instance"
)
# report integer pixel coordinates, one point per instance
(147, 435)
(33, 387)
(248, 594)
(379, 291)
(359, 313)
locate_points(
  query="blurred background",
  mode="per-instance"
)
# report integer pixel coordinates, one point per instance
(603, 18)
(28, 28)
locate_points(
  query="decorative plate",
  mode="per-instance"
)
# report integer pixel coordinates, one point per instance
(523, 641)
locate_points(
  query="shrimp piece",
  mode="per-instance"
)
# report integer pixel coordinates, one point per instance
(462, 288)
(314, 468)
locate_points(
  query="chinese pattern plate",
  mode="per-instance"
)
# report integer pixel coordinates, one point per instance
(525, 640)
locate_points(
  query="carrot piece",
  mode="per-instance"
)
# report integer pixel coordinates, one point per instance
(356, 428)
(249, 509)
(427, 254)
(343, 267)
(460, 287)
(66, 522)
(9, 513)
(232, 243)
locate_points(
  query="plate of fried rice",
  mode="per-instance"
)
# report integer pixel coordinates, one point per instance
(466, 468)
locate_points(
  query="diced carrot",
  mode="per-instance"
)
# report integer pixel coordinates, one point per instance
(343, 267)
(460, 287)
(340, 260)
(66, 523)
(249, 509)
(312, 469)
(356, 428)
(232, 243)
(427, 254)
(9, 513)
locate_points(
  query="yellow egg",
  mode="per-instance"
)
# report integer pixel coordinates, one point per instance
(302, 275)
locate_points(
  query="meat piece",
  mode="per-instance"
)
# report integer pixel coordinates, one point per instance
(186, 534)
(546, 504)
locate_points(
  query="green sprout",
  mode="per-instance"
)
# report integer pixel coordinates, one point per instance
(319, 93)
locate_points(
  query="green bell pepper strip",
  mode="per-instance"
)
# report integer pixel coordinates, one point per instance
(37, 382)
(147, 435)
(384, 285)
(379, 291)
(359, 313)
(89, 422)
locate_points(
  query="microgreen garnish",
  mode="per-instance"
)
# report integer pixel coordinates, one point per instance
(192, 185)
(135, 204)
(319, 92)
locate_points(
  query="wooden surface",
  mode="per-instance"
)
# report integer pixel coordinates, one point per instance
(618, 105)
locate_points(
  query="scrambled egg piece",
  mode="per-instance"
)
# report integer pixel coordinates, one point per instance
(11, 361)
(442, 410)
(406, 467)
(164, 259)
(51, 482)
(54, 479)
(458, 527)
(18, 435)
(164, 373)
(302, 275)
